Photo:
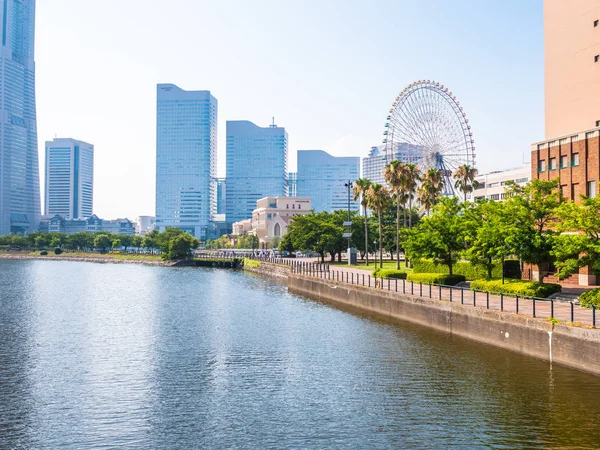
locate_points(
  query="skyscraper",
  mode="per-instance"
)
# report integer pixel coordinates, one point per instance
(186, 159)
(374, 164)
(19, 169)
(256, 166)
(322, 177)
(69, 178)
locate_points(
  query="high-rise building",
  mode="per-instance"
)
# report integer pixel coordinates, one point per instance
(221, 195)
(571, 66)
(186, 159)
(19, 168)
(374, 164)
(322, 178)
(257, 161)
(69, 179)
(292, 184)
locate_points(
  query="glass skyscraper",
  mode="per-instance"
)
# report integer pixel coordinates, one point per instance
(186, 159)
(19, 167)
(69, 178)
(374, 164)
(256, 166)
(321, 177)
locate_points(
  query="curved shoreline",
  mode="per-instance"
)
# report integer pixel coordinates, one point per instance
(88, 258)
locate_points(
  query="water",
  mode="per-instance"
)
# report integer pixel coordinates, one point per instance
(127, 356)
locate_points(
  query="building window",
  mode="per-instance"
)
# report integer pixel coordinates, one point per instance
(552, 164)
(542, 166)
(575, 160)
(299, 206)
(598, 123)
(496, 184)
(563, 161)
(287, 206)
(596, 58)
(494, 197)
(521, 180)
(481, 185)
(591, 189)
(595, 23)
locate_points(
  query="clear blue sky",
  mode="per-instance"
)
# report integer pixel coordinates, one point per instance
(327, 70)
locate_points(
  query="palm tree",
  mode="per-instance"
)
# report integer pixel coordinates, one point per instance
(361, 186)
(431, 188)
(465, 179)
(378, 197)
(412, 176)
(394, 176)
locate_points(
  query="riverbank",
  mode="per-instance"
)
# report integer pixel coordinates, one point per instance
(149, 260)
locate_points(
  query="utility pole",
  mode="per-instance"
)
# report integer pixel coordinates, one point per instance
(348, 185)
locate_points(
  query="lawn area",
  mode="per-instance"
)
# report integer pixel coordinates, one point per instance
(387, 264)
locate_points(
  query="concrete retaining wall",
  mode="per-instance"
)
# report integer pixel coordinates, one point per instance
(573, 347)
(270, 269)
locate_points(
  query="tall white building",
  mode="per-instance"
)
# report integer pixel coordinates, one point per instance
(186, 159)
(145, 224)
(492, 185)
(69, 178)
(19, 167)
(374, 164)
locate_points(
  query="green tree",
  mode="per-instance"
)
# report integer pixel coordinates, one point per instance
(102, 241)
(411, 177)
(180, 246)
(431, 188)
(360, 188)
(378, 197)
(116, 243)
(41, 241)
(440, 236)
(126, 241)
(465, 180)
(394, 174)
(276, 241)
(55, 242)
(137, 241)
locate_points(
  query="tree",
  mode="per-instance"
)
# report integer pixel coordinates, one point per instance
(137, 241)
(378, 197)
(116, 243)
(412, 176)
(180, 246)
(41, 242)
(532, 210)
(55, 242)
(275, 243)
(440, 236)
(431, 188)
(126, 241)
(465, 181)
(394, 174)
(361, 186)
(578, 244)
(102, 241)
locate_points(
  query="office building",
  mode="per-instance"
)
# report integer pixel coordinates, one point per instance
(271, 217)
(323, 178)
(257, 161)
(186, 159)
(92, 224)
(374, 164)
(69, 179)
(292, 184)
(145, 224)
(571, 66)
(221, 195)
(492, 186)
(19, 167)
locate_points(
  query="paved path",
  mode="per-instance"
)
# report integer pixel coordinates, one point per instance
(544, 308)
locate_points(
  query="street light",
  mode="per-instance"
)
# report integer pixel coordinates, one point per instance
(348, 235)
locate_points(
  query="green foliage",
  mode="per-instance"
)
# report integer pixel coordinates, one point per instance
(590, 298)
(43, 253)
(439, 237)
(436, 278)
(180, 246)
(251, 263)
(102, 242)
(470, 271)
(516, 287)
(58, 251)
(389, 273)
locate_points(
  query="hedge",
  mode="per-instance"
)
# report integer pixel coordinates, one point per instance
(58, 251)
(516, 287)
(589, 298)
(436, 278)
(43, 253)
(389, 273)
(512, 269)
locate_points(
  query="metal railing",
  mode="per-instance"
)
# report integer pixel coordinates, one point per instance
(544, 308)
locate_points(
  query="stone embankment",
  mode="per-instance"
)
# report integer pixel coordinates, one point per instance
(574, 347)
(88, 258)
(270, 269)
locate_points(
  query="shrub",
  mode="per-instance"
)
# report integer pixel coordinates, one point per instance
(252, 263)
(516, 287)
(58, 251)
(43, 253)
(389, 273)
(512, 269)
(436, 278)
(589, 298)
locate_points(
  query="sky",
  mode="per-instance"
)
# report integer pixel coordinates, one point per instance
(327, 70)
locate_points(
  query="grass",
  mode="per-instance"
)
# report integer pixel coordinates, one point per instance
(387, 264)
(124, 256)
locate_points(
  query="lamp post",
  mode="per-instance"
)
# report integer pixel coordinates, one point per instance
(348, 185)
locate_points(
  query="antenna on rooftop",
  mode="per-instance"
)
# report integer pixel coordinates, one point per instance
(273, 124)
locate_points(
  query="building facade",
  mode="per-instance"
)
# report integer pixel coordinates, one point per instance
(186, 159)
(221, 195)
(323, 178)
(92, 224)
(271, 217)
(571, 66)
(145, 224)
(293, 184)
(69, 178)
(257, 161)
(492, 185)
(374, 164)
(19, 168)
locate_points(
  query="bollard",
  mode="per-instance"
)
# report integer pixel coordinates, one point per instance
(429, 290)
(396, 284)
(404, 286)
(412, 288)
(533, 299)
(474, 297)
(517, 304)
(440, 291)
(462, 296)
(388, 284)
(487, 299)
(352, 277)
(420, 289)
(369, 280)
(450, 294)
(572, 313)
(551, 309)
(501, 302)
(363, 277)
(593, 316)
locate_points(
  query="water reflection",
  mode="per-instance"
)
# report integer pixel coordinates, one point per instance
(129, 356)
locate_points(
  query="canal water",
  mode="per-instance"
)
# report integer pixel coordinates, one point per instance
(129, 356)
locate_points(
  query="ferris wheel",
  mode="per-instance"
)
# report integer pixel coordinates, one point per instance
(428, 119)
